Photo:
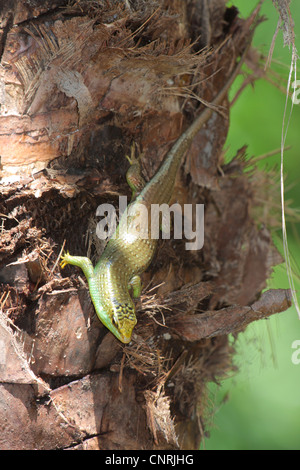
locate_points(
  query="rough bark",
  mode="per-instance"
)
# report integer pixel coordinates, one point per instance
(79, 83)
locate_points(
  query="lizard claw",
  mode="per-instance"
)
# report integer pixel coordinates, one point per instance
(133, 159)
(64, 260)
(134, 177)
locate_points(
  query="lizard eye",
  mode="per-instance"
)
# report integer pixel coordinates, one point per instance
(115, 320)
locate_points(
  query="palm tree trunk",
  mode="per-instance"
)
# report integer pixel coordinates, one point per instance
(79, 83)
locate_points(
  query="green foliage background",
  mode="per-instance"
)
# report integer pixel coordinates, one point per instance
(259, 406)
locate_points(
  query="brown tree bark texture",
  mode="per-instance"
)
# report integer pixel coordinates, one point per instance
(79, 83)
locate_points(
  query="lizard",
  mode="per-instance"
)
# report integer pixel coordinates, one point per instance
(129, 253)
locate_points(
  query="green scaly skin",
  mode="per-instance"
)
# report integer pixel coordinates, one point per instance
(128, 254)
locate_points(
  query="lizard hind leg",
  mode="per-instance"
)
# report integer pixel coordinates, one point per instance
(134, 176)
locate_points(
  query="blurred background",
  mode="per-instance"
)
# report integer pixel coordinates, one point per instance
(258, 407)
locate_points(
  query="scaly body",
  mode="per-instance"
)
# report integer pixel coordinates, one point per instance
(129, 253)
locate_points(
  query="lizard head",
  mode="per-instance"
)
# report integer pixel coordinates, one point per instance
(125, 328)
(120, 320)
(125, 320)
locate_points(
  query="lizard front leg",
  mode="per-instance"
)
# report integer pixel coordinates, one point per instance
(136, 284)
(81, 261)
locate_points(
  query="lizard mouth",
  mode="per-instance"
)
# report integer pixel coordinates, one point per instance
(123, 329)
(125, 334)
(126, 339)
